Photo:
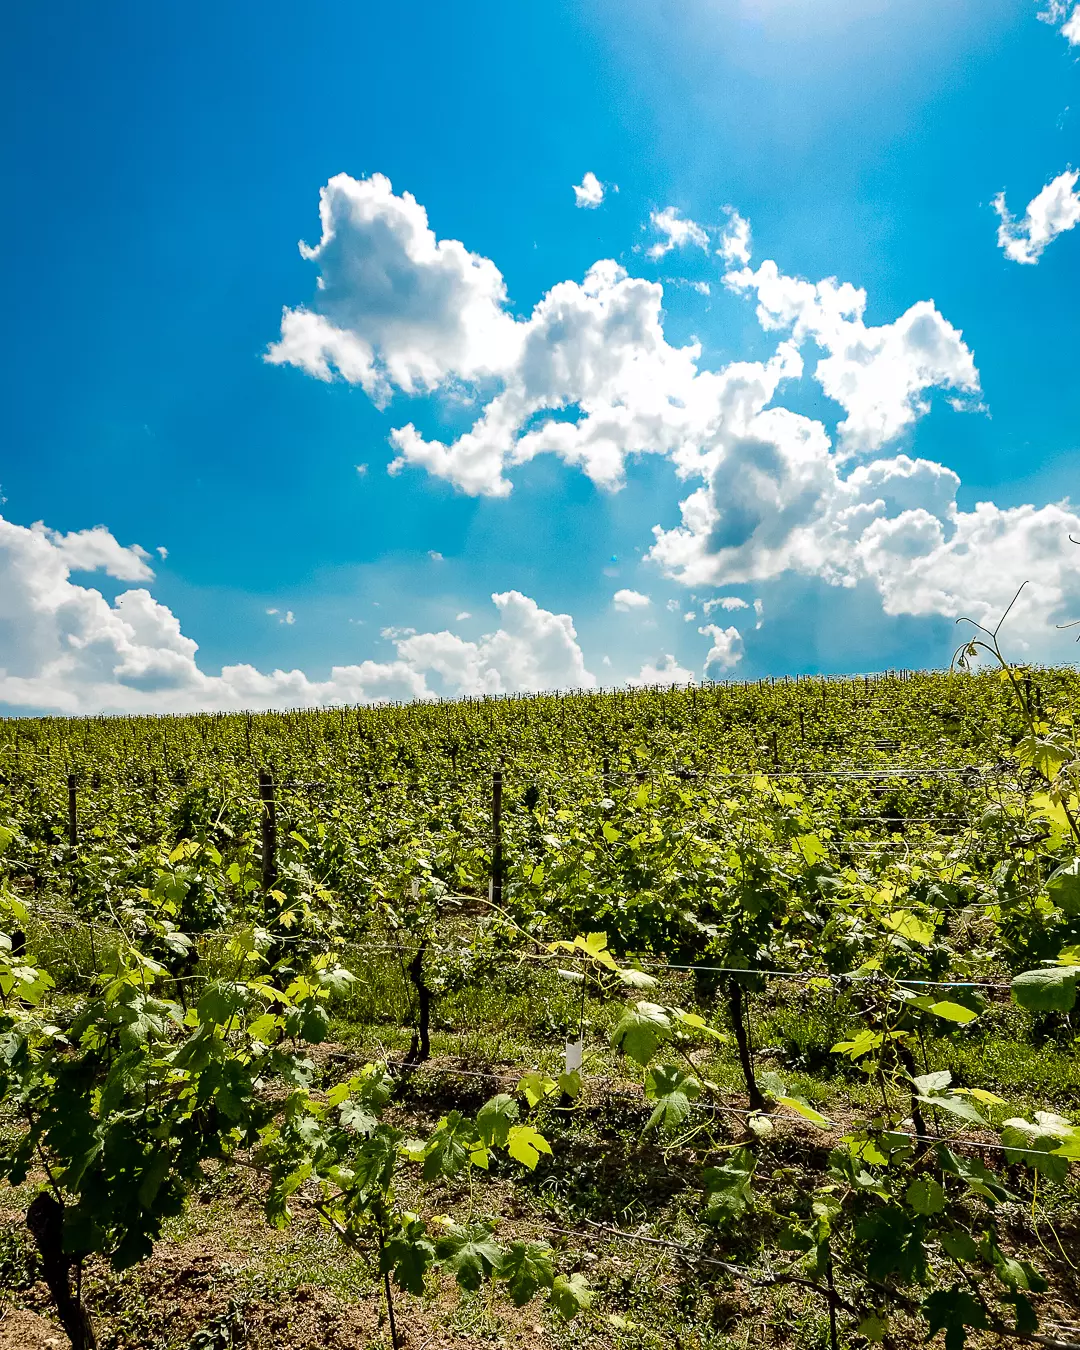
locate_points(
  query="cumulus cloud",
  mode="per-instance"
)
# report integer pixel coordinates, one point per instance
(96, 550)
(64, 647)
(425, 313)
(726, 652)
(630, 600)
(395, 306)
(677, 230)
(666, 671)
(589, 192)
(879, 376)
(532, 649)
(599, 348)
(895, 523)
(1053, 211)
(590, 377)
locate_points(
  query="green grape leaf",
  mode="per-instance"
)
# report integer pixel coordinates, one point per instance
(805, 1110)
(907, 925)
(536, 1086)
(955, 1104)
(218, 1002)
(570, 1083)
(894, 1244)
(861, 1044)
(570, 1294)
(1044, 754)
(975, 1173)
(933, 1082)
(874, 1328)
(672, 1090)
(697, 1023)
(470, 1253)
(408, 1256)
(593, 945)
(1049, 990)
(952, 1012)
(1044, 1145)
(1063, 887)
(955, 1312)
(358, 1116)
(641, 1030)
(727, 1188)
(524, 1144)
(810, 848)
(925, 1196)
(451, 1146)
(495, 1118)
(636, 979)
(960, 1245)
(526, 1267)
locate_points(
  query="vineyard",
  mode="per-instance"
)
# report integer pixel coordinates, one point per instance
(730, 1016)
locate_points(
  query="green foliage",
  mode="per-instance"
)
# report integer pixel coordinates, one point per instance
(158, 1001)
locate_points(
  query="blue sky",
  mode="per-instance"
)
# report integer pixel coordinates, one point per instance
(163, 162)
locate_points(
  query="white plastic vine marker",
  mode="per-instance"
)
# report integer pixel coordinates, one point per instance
(575, 1051)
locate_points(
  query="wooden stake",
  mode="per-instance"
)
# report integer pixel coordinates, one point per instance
(269, 829)
(496, 837)
(73, 811)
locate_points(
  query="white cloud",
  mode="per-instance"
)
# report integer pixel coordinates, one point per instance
(726, 651)
(666, 671)
(735, 239)
(1053, 211)
(1056, 12)
(97, 551)
(689, 616)
(590, 377)
(725, 602)
(677, 230)
(162, 552)
(395, 306)
(598, 347)
(65, 648)
(435, 556)
(630, 600)
(589, 192)
(533, 649)
(463, 615)
(879, 376)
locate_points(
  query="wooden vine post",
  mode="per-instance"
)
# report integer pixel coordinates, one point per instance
(269, 829)
(73, 810)
(496, 837)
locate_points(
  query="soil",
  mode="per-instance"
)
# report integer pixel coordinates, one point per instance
(21, 1330)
